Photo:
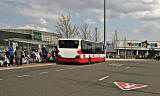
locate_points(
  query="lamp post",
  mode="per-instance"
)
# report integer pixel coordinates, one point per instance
(105, 26)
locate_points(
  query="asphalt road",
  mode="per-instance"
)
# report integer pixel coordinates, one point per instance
(82, 80)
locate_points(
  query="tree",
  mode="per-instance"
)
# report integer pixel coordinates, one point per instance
(95, 35)
(85, 32)
(115, 40)
(64, 27)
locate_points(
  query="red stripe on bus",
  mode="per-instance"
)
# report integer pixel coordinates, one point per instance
(97, 59)
(73, 60)
(86, 60)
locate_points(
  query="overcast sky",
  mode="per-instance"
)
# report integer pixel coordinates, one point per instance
(135, 19)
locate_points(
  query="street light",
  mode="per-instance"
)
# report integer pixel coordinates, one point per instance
(105, 25)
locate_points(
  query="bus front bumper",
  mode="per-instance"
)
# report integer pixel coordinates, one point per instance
(73, 60)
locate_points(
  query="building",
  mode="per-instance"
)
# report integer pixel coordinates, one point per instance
(28, 38)
(110, 50)
(133, 48)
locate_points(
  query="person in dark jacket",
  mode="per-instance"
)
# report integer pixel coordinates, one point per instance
(54, 54)
(11, 54)
(18, 55)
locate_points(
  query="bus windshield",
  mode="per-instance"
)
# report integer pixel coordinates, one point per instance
(68, 43)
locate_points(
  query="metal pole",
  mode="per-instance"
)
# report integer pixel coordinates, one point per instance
(96, 30)
(105, 25)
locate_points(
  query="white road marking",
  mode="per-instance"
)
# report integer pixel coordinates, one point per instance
(80, 66)
(103, 78)
(127, 67)
(1, 79)
(116, 64)
(60, 70)
(23, 76)
(44, 72)
(72, 68)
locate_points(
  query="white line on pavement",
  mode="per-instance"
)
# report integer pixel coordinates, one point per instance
(127, 67)
(60, 70)
(81, 66)
(23, 76)
(44, 72)
(72, 68)
(116, 64)
(103, 78)
(1, 79)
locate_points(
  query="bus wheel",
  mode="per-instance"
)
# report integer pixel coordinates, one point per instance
(58, 62)
(104, 60)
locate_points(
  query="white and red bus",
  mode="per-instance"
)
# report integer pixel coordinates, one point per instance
(80, 51)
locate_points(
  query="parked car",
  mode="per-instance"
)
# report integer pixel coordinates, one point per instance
(157, 57)
(139, 57)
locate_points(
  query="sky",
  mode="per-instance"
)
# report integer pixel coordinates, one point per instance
(133, 19)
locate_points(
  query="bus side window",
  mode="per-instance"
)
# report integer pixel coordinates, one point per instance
(101, 48)
(86, 46)
(89, 48)
(96, 49)
(93, 48)
(83, 47)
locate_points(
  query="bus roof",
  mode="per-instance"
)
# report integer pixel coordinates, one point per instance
(78, 39)
(68, 39)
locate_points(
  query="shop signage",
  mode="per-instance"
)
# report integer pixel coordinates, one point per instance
(37, 36)
(142, 44)
(135, 44)
(129, 86)
(145, 44)
(154, 45)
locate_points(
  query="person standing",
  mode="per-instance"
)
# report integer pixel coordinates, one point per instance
(22, 55)
(44, 53)
(11, 54)
(54, 54)
(18, 56)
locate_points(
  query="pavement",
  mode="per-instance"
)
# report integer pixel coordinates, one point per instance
(47, 64)
(114, 59)
(95, 79)
(26, 66)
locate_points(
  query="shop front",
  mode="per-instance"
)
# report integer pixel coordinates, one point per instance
(137, 48)
(29, 45)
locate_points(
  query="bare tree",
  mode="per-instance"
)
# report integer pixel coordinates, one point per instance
(88, 34)
(95, 36)
(115, 40)
(64, 27)
(85, 32)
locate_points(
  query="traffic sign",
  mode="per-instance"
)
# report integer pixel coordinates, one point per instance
(129, 86)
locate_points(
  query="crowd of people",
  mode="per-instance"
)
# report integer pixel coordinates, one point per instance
(20, 56)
